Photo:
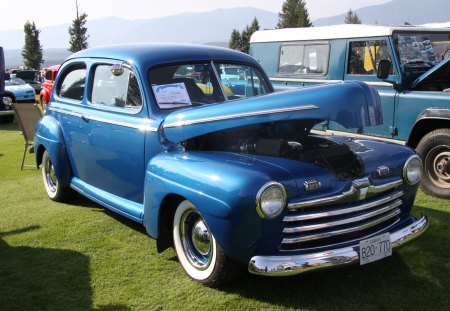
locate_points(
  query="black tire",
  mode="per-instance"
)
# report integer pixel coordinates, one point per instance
(54, 189)
(199, 254)
(434, 149)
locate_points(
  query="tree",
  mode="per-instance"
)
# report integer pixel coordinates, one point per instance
(32, 50)
(241, 41)
(352, 18)
(78, 32)
(235, 40)
(294, 14)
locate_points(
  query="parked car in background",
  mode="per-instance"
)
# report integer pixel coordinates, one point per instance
(22, 91)
(6, 97)
(227, 180)
(49, 79)
(30, 77)
(414, 87)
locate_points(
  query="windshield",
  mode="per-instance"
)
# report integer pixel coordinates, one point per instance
(14, 81)
(422, 49)
(185, 85)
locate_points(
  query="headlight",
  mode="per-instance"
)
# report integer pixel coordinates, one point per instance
(270, 200)
(412, 171)
(7, 101)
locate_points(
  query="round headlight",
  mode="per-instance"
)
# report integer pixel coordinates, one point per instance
(412, 171)
(270, 200)
(7, 101)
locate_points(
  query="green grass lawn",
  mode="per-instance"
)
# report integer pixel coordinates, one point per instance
(83, 257)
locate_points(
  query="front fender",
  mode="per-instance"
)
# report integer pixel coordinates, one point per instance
(223, 187)
(49, 136)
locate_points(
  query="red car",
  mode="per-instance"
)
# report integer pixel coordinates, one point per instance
(47, 86)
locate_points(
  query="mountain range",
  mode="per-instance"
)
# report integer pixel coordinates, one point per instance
(212, 27)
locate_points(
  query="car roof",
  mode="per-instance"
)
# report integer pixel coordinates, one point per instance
(149, 54)
(334, 32)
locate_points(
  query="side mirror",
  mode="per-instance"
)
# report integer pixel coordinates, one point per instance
(384, 67)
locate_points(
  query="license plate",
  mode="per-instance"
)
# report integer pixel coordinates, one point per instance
(375, 248)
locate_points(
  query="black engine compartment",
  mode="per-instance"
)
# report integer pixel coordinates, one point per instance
(287, 139)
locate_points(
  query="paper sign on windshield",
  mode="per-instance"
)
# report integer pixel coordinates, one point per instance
(171, 95)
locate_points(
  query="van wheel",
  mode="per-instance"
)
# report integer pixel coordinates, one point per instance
(197, 250)
(54, 189)
(434, 149)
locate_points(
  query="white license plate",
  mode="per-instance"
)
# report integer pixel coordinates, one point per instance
(375, 248)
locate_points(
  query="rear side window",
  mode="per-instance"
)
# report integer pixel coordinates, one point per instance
(304, 59)
(73, 82)
(120, 89)
(48, 75)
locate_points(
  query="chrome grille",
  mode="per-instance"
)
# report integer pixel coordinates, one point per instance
(362, 211)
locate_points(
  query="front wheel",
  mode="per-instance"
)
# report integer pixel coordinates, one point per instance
(54, 189)
(197, 250)
(434, 149)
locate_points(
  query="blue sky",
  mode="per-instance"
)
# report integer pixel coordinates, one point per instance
(53, 12)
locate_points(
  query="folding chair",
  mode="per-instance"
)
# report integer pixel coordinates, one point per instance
(27, 115)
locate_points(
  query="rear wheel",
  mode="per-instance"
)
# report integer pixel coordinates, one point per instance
(197, 250)
(54, 189)
(44, 105)
(434, 149)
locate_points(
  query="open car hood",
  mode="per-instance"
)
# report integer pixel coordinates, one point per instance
(352, 104)
(439, 72)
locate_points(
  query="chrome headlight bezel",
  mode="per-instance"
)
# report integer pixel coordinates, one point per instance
(7, 101)
(262, 208)
(412, 170)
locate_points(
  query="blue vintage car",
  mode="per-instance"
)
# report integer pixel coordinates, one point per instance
(228, 181)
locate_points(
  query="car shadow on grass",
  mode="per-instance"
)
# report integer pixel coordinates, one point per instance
(416, 277)
(35, 278)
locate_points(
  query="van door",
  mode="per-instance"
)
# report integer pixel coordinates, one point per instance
(363, 56)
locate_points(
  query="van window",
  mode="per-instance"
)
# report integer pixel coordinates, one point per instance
(365, 56)
(301, 59)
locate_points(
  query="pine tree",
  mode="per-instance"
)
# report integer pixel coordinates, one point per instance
(235, 40)
(32, 50)
(294, 14)
(241, 41)
(78, 33)
(352, 18)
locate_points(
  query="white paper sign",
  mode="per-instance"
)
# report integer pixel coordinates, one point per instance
(171, 95)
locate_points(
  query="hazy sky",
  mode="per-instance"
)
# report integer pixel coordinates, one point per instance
(53, 12)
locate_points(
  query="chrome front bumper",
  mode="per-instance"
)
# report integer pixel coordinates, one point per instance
(296, 264)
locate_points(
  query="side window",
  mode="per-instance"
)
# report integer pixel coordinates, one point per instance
(48, 75)
(365, 56)
(308, 58)
(115, 90)
(73, 82)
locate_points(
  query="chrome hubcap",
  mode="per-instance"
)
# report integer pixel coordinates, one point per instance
(196, 239)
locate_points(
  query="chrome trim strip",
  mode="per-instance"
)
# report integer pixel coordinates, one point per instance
(295, 264)
(328, 234)
(309, 216)
(325, 81)
(305, 80)
(239, 115)
(346, 196)
(145, 128)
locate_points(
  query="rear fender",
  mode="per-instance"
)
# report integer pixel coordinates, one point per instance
(49, 136)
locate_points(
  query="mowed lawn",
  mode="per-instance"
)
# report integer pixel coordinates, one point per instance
(81, 256)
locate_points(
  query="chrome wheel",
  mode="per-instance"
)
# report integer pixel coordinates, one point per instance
(53, 187)
(195, 245)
